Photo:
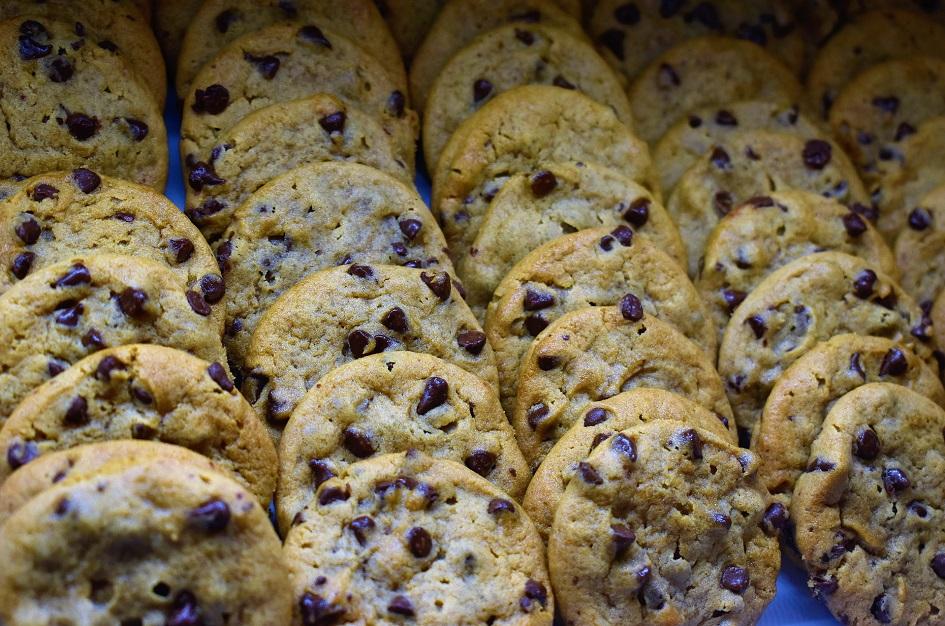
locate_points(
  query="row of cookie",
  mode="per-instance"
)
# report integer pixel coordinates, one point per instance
(83, 87)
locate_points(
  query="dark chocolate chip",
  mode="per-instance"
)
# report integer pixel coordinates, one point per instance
(866, 445)
(527, 37)
(692, 438)
(225, 18)
(77, 274)
(321, 471)
(435, 392)
(534, 324)
(481, 461)
(624, 446)
(212, 516)
(735, 579)
(548, 362)
(361, 271)
(77, 413)
(564, 83)
(218, 375)
(823, 585)
(536, 413)
(395, 320)
(334, 122)
(537, 300)
(30, 49)
(108, 365)
(623, 537)
(613, 40)
(725, 118)
(331, 493)
(139, 130)
(360, 526)
(357, 442)
(131, 301)
(317, 611)
(410, 228)
(213, 100)
(203, 175)
(534, 592)
(184, 610)
(542, 183)
(723, 202)
(820, 465)
(854, 224)
(315, 35)
(895, 480)
(93, 340)
(60, 70)
(638, 213)
(82, 126)
(720, 159)
(20, 453)
(889, 104)
(817, 154)
(733, 297)
(182, 249)
(498, 506)
(267, 65)
(396, 104)
(419, 542)
(624, 235)
(482, 88)
(894, 363)
(22, 264)
(775, 519)
(631, 308)
(919, 219)
(595, 416)
(904, 130)
(938, 564)
(881, 610)
(856, 366)
(472, 341)
(401, 605)
(43, 191)
(758, 326)
(198, 304)
(438, 282)
(863, 284)
(589, 474)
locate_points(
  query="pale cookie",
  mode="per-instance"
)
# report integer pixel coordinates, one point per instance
(805, 302)
(144, 392)
(407, 537)
(754, 164)
(632, 34)
(509, 57)
(171, 19)
(595, 353)
(533, 208)
(768, 232)
(342, 314)
(868, 509)
(395, 402)
(277, 139)
(665, 524)
(461, 21)
(594, 267)
(314, 218)
(519, 131)
(704, 72)
(920, 248)
(692, 138)
(601, 420)
(161, 542)
(801, 398)
(69, 103)
(217, 23)
(64, 312)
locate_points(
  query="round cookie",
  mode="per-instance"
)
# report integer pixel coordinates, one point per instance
(519, 131)
(341, 314)
(461, 21)
(885, 104)
(920, 248)
(801, 398)
(769, 232)
(119, 27)
(532, 208)
(407, 536)
(387, 403)
(314, 218)
(409, 21)
(66, 311)
(161, 540)
(148, 393)
(508, 57)
(871, 39)
(593, 267)
(690, 139)
(705, 72)
(279, 138)
(868, 508)
(796, 307)
(595, 353)
(171, 19)
(286, 62)
(631, 35)
(601, 420)
(60, 215)
(754, 164)
(68, 107)
(669, 524)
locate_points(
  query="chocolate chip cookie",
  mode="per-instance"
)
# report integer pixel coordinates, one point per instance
(594, 353)
(519, 131)
(395, 402)
(160, 540)
(409, 21)
(171, 19)
(754, 164)
(314, 218)
(665, 523)
(632, 34)
(705, 72)
(694, 137)
(281, 63)
(342, 314)
(459, 22)
(60, 215)
(535, 207)
(768, 232)
(508, 57)
(217, 23)
(805, 302)
(276, 139)
(801, 398)
(601, 420)
(938, 324)
(920, 248)
(147, 393)
(66, 311)
(405, 536)
(594, 267)
(69, 103)
(867, 508)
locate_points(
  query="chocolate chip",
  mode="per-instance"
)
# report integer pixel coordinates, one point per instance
(218, 375)
(823, 585)
(108, 44)
(361, 271)
(108, 365)
(213, 100)
(866, 445)
(775, 519)
(472, 341)
(854, 224)
(919, 219)
(895, 480)
(535, 414)
(93, 340)
(184, 610)
(315, 35)
(401, 605)
(481, 90)
(86, 180)
(438, 282)
(627, 14)
(481, 461)
(542, 183)
(856, 366)
(722, 520)
(33, 28)
(692, 438)
(904, 130)
(733, 297)
(138, 129)
(142, 395)
(410, 228)
(82, 126)
(623, 537)
(869, 212)
(198, 304)
(60, 70)
(723, 202)
(757, 325)
(317, 611)
(894, 363)
(21, 264)
(564, 83)
(395, 320)
(77, 413)
(631, 308)
(525, 36)
(498, 506)
(820, 465)
(537, 300)
(938, 564)
(589, 474)
(20, 453)
(334, 122)
(131, 301)
(182, 249)
(225, 18)
(863, 284)
(267, 65)
(203, 175)
(360, 526)
(534, 592)
(435, 392)
(357, 342)
(212, 516)
(880, 609)
(331, 494)
(357, 442)
(638, 213)
(624, 446)
(725, 118)
(720, 159)
(889, 104)
(30, 49)
(548, 362)
(817, 154)
(77, 274)
(534, 324)
(668, 76)
(396, 104)
(595, 416)
(735, 579)
(419, 542)
(624, 235)
(613, 40)
(321, 471)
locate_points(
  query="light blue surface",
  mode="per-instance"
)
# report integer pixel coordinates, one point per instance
(793, 605)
